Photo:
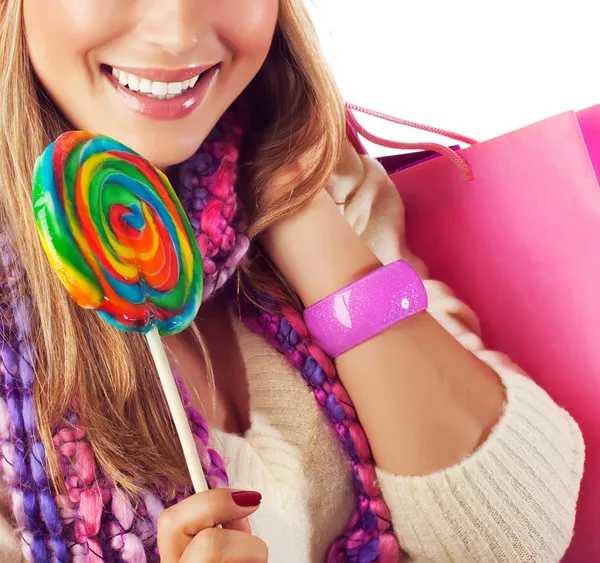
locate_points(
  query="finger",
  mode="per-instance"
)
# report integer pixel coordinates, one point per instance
(241, 525)
(178, 525)
(233, 546)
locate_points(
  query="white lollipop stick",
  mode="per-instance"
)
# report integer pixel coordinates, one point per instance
(180, 419)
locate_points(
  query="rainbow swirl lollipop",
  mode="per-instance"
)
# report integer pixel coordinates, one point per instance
(116, 234)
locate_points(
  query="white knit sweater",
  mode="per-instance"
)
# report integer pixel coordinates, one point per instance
(511, 501)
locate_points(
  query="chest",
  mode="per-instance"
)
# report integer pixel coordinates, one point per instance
(213, 369)
(307, 499)
(293, 458)
(283, 445)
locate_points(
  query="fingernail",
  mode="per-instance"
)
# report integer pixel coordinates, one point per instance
(246, 498)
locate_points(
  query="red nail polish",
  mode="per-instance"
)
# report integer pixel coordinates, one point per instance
(246, 498)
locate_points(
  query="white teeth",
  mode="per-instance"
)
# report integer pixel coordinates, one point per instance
(134, 82)
(174, 88)
(160, 90)
(145, 86)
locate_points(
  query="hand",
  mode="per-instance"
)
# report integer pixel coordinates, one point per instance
(187, 532)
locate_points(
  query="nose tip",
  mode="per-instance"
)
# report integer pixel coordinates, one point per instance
(171, 26)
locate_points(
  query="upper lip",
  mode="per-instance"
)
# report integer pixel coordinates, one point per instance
(165, 75)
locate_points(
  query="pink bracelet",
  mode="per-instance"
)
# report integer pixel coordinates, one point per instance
(363, 309)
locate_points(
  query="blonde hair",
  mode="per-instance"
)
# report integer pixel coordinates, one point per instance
(299, 119)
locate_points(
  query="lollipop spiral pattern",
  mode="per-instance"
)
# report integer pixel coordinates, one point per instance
(116, 234)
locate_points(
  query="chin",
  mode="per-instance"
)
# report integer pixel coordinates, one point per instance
(165, 155)
(163, 151)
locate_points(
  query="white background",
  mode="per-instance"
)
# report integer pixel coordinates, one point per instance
(478, 67)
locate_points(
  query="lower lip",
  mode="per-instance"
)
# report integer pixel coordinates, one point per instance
(175, 108)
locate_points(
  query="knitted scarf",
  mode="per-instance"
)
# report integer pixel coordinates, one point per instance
(95, 521)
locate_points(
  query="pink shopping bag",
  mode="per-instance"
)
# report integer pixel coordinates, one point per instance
(520, 243)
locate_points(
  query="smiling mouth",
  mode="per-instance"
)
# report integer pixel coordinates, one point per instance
(158, 90)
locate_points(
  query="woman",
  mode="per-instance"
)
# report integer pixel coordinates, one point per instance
(436, 449)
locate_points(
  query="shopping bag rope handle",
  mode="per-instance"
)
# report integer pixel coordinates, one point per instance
(454, 156)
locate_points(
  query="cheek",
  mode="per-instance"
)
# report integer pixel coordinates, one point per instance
(63, 32)
(247, 27)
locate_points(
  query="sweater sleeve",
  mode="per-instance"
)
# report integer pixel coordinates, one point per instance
(512, 500)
